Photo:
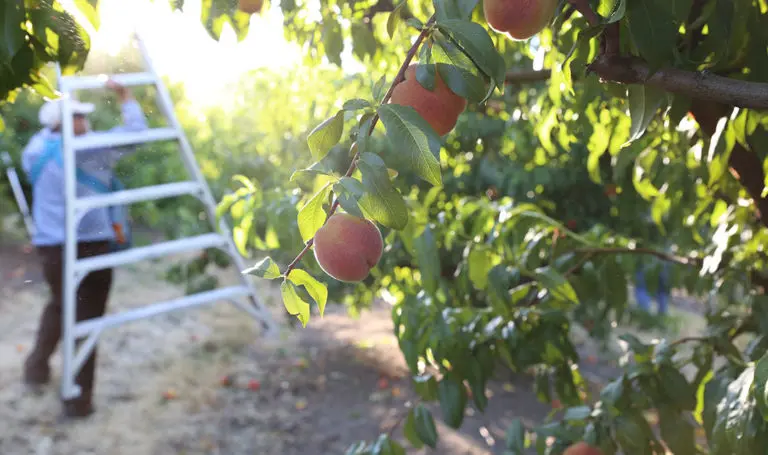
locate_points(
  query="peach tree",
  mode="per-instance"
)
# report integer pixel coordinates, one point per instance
(480, 279)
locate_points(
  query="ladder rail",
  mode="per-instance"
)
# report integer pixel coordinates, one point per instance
(68, 315)
(18, 194)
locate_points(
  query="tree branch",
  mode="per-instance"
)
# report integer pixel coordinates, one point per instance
(526, 76)
(697, 85)
(647, 251)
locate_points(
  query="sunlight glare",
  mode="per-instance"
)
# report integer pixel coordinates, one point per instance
(183, 51)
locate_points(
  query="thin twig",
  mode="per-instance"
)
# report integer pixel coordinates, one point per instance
(647, 251)
(399, 78)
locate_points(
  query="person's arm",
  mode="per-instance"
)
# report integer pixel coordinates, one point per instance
(133, 116)
(134, 120)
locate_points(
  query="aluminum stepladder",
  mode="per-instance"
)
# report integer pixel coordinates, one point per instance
(73, 357)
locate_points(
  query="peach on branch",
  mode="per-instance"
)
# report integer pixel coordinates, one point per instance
(582, 448)
(440, 108)
(250, 6)
(347, 247)
(519, 19)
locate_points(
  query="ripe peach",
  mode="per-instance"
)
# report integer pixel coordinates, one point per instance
(347, 247)
(519, 19)
(440, 108)
(582, 448)
(250, 6)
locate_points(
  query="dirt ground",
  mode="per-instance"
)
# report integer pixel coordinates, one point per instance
(160, 389)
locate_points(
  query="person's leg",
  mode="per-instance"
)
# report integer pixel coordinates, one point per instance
(92, 296)
(36, 367)
(641, 293)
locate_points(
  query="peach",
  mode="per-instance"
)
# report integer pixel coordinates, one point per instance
(347, 247)
(250, 6)
(582, 448)
(440, 108)
(519, 19)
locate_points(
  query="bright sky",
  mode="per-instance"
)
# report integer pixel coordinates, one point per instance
(181, 48)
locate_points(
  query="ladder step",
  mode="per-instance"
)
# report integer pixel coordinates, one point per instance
(211, 240)
(84, 328)
(99, 81)
(149, 193)
(102, 139)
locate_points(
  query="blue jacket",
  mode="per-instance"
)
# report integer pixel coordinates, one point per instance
(48, 209)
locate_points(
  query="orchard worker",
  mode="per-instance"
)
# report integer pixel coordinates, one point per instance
(97, 233)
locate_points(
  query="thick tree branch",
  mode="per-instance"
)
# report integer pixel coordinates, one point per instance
(696, 85)
(610, 66)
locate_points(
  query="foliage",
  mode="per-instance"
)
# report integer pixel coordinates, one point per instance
(492, 260)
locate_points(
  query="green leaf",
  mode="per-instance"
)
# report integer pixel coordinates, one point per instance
(312, 216)
(677, 430)
(333, 39)
(326, 135)
(453, 9)
(90, 8)
(13, 16)
(386, 446)
(475, 42)
(598, 145)
(616, 9)
(381, 200)
(428, 259)
(644, 101)
(378, 88)
(409, 430)
(515, 438)
(652, 22)
(453, 400)
(462, 82)
(394, 19)
(426, 386)
(349, 191)
(293, 303)
(425, 74)
(633, 433)
(266, 268)
(556, 284)
(424, 424)
(761, 385)
(355, 104)
(677, 388)
(577, 413)
(416, 145)
(480, 261)
(364, 42)
(739, 427)
(613, 392)
(316, 289)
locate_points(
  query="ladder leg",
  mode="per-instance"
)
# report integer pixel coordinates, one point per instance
(68, 387)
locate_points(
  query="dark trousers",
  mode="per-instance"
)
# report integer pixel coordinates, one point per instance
(92, 296)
